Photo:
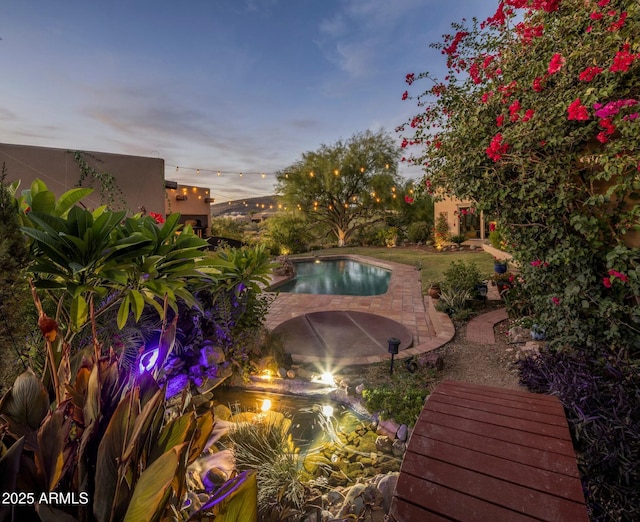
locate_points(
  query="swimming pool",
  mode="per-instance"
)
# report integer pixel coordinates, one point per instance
(338, 277)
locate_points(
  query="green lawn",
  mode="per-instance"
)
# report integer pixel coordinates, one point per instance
(433, 263)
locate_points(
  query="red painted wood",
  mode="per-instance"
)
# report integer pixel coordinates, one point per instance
(482, 454)
(481, 486)
(435, 500)
(524, 454)
(504, 469)
(449, 407)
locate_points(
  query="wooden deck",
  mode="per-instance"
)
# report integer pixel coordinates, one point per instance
(487, 454)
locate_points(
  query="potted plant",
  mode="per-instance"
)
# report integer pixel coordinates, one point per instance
(502, 281)
(499, 265)
(434, 290)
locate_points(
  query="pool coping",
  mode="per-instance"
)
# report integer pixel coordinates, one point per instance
(405, 303)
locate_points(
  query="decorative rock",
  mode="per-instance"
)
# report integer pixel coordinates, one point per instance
(402, 433)
(398, 448)
(334, 497)
(354, 501)
(282, 373)
(215, 476)
(360, 388)
(384, 444)
(291, 374)
(518, 334)
(386, 486)
(211, 355)
(431, 360)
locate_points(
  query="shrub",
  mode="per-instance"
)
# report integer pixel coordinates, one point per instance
(441, 232)
(601, 399)
(458, 239)
(462, 276)
(495, 238)
(418, 232)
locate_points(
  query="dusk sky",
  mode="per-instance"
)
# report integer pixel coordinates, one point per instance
(220, 85)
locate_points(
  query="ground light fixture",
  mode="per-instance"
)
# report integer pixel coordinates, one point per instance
(394, 344)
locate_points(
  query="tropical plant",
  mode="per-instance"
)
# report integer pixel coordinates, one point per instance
(345, 186)
(106, 441)
(458, 239)
(537, 121)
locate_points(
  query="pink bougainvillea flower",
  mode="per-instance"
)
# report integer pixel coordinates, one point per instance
(623, 60)
(595, 16)
(528, 114)
(538, 85)
(616, 26)
(408, 199)
(606, 282)
(555, 300)
(492, 227)
(603, 3)
(619, 275)
(602, 137)
(590, 73)
(577, 111)
(497, 148)
(410, 78)
(556, 63)
(500, 120)
(513, 110)
(536, 263)
(486, 96)
(405, 95)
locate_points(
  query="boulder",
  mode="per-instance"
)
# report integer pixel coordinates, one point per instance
(398, 448)
(519, 334)
(383, 444)
(403, 433)
(386, 486)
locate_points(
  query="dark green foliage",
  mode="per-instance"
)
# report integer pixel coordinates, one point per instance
(14, 292)
(418, 231)
(601, 397)
(462, 276)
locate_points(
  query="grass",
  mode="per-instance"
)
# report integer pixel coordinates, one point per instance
(433, 263)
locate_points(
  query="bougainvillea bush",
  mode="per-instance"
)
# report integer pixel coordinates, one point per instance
(538, 121)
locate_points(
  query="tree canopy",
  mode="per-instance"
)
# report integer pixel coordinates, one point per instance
(346, 185)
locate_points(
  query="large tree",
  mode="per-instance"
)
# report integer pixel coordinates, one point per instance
(347, 185)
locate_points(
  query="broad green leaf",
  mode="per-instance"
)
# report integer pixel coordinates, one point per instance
(137, 303)
(50, 455)
(9, 468)
(44, 201)
(204, 427)
(79, 312)
(110, 453)
(26, 402)
(178, 431)
(149, 494)
(123, 312)
(236, 500)
(69, 199)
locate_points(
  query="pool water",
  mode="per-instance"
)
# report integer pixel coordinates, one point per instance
(338, 277)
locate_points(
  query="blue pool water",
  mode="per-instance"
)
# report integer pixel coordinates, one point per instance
(338, 277)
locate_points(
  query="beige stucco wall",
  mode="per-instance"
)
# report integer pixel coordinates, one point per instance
(140, 179)
(194, 205)
(449, 207)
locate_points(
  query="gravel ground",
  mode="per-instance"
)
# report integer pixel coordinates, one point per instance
(490, 364)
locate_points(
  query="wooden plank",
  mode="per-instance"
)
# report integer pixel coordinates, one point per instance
(534, 398)
(479, 404)
(554, 408)
(402, 511)
(496, 491)
(429, 498)
(531, 427)
(526, 455)
(547, 482)
(499, 433)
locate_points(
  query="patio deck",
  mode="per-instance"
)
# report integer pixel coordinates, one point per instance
(479, 453)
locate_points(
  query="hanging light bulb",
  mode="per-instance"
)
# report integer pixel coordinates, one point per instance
(197, 171)
(177, 169)
(264, 175)
(219, 173)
